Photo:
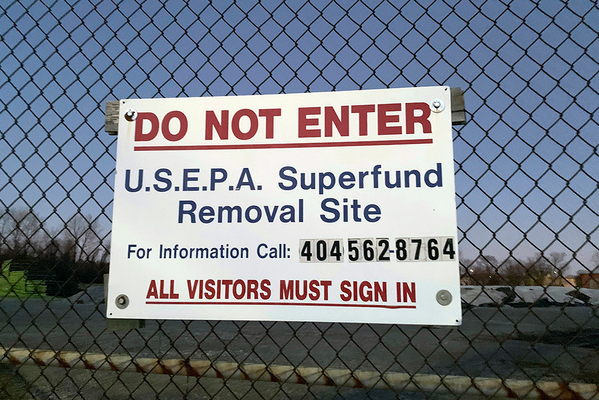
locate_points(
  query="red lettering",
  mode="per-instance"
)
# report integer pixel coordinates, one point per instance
(384, 119)
(422, 119)
(286, 290)
(366, 295)
(363, 291)
(210, 292)
(194, 287)
(239, 134)
(163, 294)
(265, 287)
(152, 290)
(239, 294)
(270, 114)
(304, 294)
(172, 294)
(408, 291)
(326, 285)
(304, 122)
(301, 290)
(380, 291)
(226, 283)
(140, 136)
(166, 131)
(314, 292)
(362, 112)
(331, 117)
(225, 289)
(252, 289)
(221, 127)
(345, 291)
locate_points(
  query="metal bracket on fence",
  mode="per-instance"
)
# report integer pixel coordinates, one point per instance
(114, 324)
(458, 112)
(397, 381)
(458, 107)
(111, 120)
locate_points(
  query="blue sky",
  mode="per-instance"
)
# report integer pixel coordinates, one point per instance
(526, 161)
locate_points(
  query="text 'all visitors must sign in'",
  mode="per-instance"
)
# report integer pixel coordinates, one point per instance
(335, 207)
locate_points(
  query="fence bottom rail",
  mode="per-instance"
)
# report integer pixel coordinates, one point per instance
(304, 375)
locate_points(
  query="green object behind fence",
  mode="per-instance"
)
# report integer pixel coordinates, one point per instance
(15, 284)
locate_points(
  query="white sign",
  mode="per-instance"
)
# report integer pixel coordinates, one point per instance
(335, 207)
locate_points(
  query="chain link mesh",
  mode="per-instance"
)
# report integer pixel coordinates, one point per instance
(526, 168)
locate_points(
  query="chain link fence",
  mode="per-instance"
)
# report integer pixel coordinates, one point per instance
(526, 169)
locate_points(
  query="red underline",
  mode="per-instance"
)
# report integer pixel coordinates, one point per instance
(229, 303)
(283, 145)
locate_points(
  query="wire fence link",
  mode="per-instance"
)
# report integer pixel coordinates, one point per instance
(526, 168)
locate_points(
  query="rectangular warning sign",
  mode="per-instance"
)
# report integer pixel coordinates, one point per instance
(336, 207)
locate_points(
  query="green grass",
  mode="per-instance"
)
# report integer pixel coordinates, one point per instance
(14, 284)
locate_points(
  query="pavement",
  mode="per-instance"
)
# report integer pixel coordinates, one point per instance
(518, 333)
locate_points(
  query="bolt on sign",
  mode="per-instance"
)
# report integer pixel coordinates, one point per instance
(332, 207)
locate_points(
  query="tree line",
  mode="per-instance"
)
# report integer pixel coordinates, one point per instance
(62, 257)
(536, 270)
(78, 253)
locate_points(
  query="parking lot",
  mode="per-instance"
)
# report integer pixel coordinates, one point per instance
(556, 343)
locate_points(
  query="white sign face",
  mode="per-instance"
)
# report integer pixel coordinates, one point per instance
(332, 207)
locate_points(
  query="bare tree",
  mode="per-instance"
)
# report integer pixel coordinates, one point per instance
(557, 258)
(560, 267)
(466, 271)
(82, 238)
(539, 272)
(484, 271)
(21, 232)
(513, 272)
(594, 262)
